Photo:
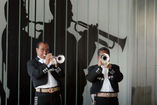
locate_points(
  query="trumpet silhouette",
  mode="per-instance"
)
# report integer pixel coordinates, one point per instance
(117, 40)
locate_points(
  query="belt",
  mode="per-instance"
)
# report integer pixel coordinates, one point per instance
(106, 94)
(47, 90)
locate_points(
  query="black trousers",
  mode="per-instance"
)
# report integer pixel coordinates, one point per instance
(47, 98)
(106, 101)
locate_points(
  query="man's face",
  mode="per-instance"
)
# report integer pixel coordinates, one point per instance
(102, 52)
(42, 50)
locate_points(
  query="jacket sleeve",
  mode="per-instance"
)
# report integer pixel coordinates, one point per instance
(36, 72)
(117, 75)
(93, 73)
(59, 71)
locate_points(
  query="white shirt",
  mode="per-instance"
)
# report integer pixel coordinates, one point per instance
(51, 80)
(106, 87)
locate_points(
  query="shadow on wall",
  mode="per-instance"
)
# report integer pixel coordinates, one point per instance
(15, 38)
(2, 94)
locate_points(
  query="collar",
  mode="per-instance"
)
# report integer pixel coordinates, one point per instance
(102, 66)
(41, 60)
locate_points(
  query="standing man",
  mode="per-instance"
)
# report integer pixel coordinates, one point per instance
(104, 77)
(45, 74)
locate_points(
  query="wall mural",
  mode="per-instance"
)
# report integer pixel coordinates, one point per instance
(29, 30)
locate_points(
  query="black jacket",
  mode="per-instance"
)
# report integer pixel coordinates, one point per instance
(38, 72)
(96, 77)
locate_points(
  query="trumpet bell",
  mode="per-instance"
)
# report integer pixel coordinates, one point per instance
(104, 58)
(60, 59)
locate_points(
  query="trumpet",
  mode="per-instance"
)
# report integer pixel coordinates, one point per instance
(117, 40)
(104, 58)
(58, 59)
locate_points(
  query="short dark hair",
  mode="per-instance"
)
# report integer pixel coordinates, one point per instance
(37, 45)
(103, 49)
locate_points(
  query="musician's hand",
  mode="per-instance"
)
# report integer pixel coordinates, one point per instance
(92, 32)
(93, 27)
(54, 62)
(109, 66)
(48, 58)
(100, 63)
